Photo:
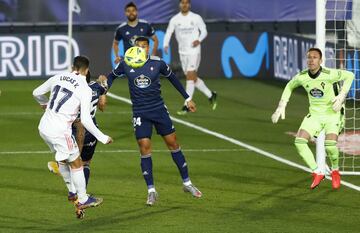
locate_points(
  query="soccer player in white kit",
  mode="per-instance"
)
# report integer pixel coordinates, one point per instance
(69, 92)
(190, 31)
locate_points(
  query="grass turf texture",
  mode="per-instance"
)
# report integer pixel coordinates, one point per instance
(243, 191)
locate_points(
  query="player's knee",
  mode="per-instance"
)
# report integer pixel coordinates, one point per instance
(173, 146)
(330, 147)
(300, 142)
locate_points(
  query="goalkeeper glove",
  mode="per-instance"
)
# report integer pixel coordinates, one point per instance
(280, 111)
(338, 102)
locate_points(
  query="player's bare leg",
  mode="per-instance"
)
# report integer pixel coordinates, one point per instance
(301, 144)
(146, 168)
(180, 162)
(333, 152)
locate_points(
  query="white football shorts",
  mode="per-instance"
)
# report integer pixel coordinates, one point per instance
(190, 62)
(64, 147)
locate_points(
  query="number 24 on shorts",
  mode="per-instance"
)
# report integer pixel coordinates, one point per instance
(137, 121)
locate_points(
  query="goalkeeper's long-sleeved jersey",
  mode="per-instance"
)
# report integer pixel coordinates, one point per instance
(321, 88)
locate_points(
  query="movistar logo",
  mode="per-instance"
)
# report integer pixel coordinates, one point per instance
(248, 63)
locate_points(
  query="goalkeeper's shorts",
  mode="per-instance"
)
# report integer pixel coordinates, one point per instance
(331, 123)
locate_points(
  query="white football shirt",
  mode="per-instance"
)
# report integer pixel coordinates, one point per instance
(188, 28)
(69, 94)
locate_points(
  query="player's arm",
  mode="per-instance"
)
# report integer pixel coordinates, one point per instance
(166, 71)
(116, 41)
(347, 77)
(203, 32)
(154, 38)
(280, 110)
(102, 81)
(80, 134)
(169, 31)
(85, 102)
(117, 72)
(156, 45)
(40, 91)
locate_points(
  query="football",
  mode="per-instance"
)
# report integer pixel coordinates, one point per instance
(135, 57)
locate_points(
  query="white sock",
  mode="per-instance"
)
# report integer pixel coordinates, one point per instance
(187, 183)
(77, 176)
(199, 84)
(150, 190)
(190, 88)
(64, 170)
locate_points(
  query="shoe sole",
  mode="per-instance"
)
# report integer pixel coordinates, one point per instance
(96, 204)
(214, 106)
(197, 196)
(181, 113)
(317, 184)
(52, 169)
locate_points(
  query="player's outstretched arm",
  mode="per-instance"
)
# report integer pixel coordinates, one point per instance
(339, 100)
(86, 120)
(280, 110)
(40, 91)
(177, 84)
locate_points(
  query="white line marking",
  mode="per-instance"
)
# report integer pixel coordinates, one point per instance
(239, 143)
(126, 151)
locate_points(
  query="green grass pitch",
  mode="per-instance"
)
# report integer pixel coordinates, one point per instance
(243, 191)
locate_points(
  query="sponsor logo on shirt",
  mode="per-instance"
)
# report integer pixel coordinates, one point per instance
(142, 81)
(317, 93)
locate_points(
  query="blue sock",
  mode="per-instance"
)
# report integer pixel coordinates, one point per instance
(180, 162)
(146, 168)
(87, 173)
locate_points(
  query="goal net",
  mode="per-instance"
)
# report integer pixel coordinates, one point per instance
(343, 39)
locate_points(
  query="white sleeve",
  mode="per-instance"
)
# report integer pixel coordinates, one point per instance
(202, 28)
(85, 102)
(40, 91)
(169, 31)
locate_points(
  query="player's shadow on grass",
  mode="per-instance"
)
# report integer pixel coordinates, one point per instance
(119, 218)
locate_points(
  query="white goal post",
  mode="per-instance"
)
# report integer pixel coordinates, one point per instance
(338, 27)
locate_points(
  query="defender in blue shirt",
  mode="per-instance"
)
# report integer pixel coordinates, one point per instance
(149, 110)
(84, 139)
(130, 30)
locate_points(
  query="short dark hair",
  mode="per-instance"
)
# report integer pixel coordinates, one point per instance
(88, 76)
(81, 62)
(181, 0)
(142, 38)
(317, 50)
(130, 4)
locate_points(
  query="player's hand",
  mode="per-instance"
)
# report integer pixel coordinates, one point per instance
(117, 59)
(102, 80)
(43, 107)
(338, 102)
(191, 106)
(110, 140)
(195, 43)
(166, 48)
(279, 112)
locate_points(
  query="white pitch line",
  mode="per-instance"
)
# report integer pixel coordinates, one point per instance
(126, 151)
(240, 143)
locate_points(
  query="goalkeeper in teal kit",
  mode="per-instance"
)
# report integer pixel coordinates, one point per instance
(326, 101)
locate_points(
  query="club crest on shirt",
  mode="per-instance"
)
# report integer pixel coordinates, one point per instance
(142, 81)
(317, 93)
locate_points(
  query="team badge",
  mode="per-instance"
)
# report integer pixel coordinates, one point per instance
(317, 93)
(142, 81)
